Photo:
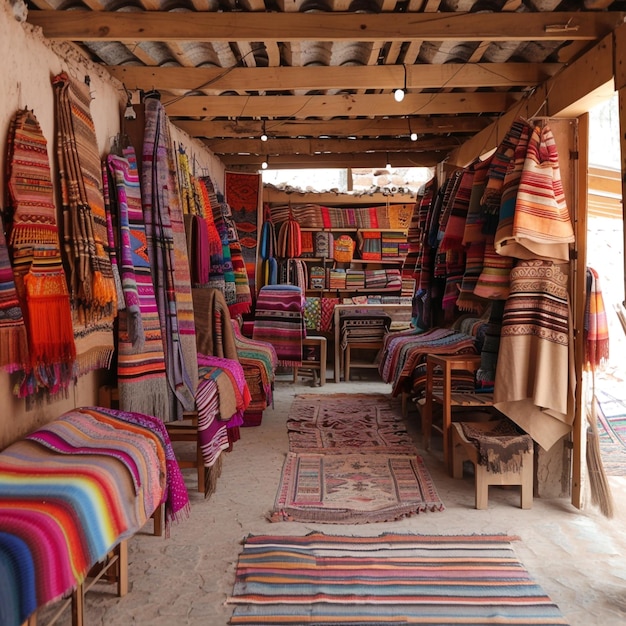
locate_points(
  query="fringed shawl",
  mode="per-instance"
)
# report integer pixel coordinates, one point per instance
(596, 328)
(92, 286)
(214, 332)
(168, 258)
(501, 446)
(39, 279)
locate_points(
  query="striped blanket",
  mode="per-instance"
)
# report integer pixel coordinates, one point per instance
(279, 320)
(390, 579)
(68, 494)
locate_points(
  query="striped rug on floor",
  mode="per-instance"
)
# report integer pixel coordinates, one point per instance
(389, 579)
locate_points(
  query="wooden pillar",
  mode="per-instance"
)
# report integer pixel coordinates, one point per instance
(619, 65)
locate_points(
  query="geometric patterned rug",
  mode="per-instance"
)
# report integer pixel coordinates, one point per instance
(612, 432)
(351, 461)
(390, 579)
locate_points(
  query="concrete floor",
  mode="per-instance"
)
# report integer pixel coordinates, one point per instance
(577, 557)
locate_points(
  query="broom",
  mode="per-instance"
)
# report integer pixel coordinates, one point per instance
(599, 485)
(596, 352)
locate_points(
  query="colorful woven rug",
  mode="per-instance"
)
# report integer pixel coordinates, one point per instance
(390, 579)
(347, 422)
(353, 488)
(612, 431)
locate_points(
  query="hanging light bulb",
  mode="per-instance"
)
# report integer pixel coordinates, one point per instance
(388, 166)
(412, 133)
(264, 165)
(398, 94)
(263, 134)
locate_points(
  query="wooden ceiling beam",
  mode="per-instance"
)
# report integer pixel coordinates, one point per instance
(272, 26)
(324, 146)
(301, 161)
(302, 107)
(453, 75)
(385, 127)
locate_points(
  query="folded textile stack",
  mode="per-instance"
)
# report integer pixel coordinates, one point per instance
(366, 326)
(337, 279)
(393, 245)
(394, 280)
(369, 245)
(375, 279)
(355, 279)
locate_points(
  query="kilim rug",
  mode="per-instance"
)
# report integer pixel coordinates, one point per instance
(347, 422)
(390, 579)
(612, 430)
(353, 488)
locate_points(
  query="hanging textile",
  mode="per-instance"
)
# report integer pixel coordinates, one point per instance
(243, 296)
(267, 245)
(541, 226)
(111, 243)
(167, 252)
(534, 378)
(215, 249)
(92, 286)
(39, 278)
(13, 339)
(474, 239)
(596, 328)
(141, 377)
(242, 193)
(289, 244)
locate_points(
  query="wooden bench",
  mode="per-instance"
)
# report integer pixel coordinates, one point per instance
(91, 465)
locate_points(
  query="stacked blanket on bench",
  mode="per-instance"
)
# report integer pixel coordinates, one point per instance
(70, 492)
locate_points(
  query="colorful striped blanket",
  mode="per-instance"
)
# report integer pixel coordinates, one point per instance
(69, 493)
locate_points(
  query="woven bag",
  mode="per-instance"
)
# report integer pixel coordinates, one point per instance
(344, 249)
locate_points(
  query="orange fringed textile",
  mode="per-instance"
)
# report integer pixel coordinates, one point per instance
(596, 328)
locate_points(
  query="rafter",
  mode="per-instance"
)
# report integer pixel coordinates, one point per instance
(437, 125)
(302, 107)
(295, 161)
(270, 26)
(453, 75)
(334, 146)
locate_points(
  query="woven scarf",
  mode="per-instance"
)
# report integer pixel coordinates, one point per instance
(542, 228)
(92, 285)
(289, 244)
(140, 360)
(596, 329)
(111, 243)
(40, 282)
(486, 373)
(267, 243)
(167, 251)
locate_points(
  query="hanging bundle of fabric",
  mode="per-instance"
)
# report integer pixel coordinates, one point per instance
(92, 285)
(289, 245)
(140, 358)
(167, 251)
(596, 344)
(540, 227)
(40, 281)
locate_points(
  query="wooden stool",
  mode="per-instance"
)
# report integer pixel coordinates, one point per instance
(465, 450)
(314, 366)
(187, 430)
(359, 345)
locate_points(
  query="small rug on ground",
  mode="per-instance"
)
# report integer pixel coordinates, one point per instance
(345, 422)
(390, 579)
(353, 488)
(612, 432)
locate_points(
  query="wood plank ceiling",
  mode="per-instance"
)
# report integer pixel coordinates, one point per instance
(318, 76)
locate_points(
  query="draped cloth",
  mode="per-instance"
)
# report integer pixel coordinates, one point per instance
(214, 331)
(541, 227)
(35, 293)
(534, 383)
(140, 358)
(92, 285)
(167, 251)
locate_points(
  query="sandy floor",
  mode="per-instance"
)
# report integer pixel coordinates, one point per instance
(577, 557)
